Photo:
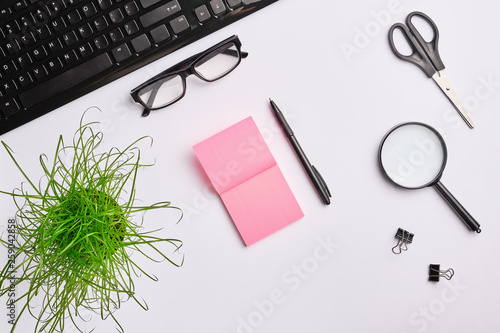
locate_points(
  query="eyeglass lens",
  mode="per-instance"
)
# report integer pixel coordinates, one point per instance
(162, 92)
(211, 67)
(218, 63)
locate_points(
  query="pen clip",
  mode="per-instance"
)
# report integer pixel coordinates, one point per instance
(322, 181)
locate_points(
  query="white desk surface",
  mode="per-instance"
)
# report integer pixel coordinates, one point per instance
(332, 270)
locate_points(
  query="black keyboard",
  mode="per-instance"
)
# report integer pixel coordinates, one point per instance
(54, 51)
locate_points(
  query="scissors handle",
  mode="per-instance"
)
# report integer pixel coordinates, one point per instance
(424, 54)
(430, 48)
(417, 55)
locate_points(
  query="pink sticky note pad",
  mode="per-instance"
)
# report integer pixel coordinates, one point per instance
(244, 173)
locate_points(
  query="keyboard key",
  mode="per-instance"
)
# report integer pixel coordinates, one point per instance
(28, 39)
(9, 107)
(147, 3)
(85, 31)
(218, 6)
(41, 15)
(55, 45)
(27, 21)
(43, 32)
(9, 88)
(55, 65)
(85, 50)
(202, 13)
(121, 53)
(101, 23)
(70, 57)
(141, 43)
(13, 47)
(74, 17)
(24, 60)
(70, 38)
(24, 79)
(116, 35)
(233, 3)
(56, 6)
(131, 27)
(40, 53)
(131, 8)
(20, 5)
(6, 12)
(101, 42)
(160, 13)
(9, 68)
(160, 34)
(179, 24)
(40, 72)
(104, 4)
(12, 27)
(89, 10)
(65, 80)
(116, 15)
(58, 24)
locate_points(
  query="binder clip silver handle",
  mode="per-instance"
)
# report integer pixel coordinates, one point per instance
(435, 273)
(404, 238)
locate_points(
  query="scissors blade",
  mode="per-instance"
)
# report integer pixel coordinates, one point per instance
(442, 81)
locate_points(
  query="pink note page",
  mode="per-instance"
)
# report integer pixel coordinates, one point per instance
(234, 155)
(262, 205)
(250, 183)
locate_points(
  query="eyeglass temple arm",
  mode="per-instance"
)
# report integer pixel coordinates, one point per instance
(229, 51)
(235, 53)
(152, 96)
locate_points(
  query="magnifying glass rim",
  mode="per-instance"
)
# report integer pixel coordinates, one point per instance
(441, 140)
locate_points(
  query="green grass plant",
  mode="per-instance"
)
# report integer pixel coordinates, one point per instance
(76, 234)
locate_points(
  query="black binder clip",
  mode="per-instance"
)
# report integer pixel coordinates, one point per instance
(435, 273)
(404, 238)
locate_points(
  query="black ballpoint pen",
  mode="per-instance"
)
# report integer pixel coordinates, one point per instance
(312, 172)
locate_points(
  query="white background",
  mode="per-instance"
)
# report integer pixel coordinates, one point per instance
(340, 104)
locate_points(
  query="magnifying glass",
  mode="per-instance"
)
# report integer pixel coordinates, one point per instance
(413, 156)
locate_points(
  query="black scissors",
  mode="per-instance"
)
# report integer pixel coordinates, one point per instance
(426, 56)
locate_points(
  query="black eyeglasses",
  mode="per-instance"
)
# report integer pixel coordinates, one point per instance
(169, 86)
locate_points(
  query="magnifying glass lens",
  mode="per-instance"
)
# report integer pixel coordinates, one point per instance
(413, 155)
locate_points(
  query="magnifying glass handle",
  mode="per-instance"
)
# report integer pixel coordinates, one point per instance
(458, 208)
